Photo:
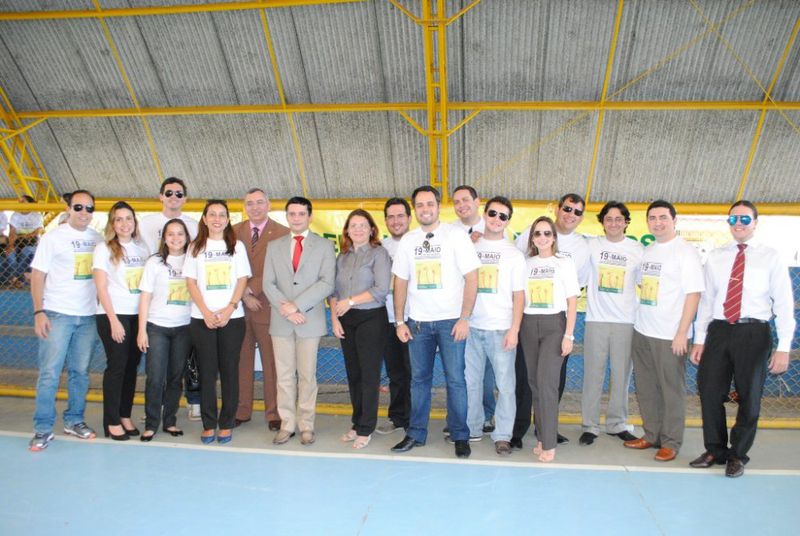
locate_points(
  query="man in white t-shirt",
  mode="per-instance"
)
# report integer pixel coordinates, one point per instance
(64, 306)
(23, 235)
(569, 216)
(746, 283)
(614, 263)
(436, 270)
(397, 215)
(494, 330)
(671, 281)
(173, 195)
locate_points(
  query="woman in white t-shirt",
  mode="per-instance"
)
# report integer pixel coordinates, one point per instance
(551, 294)
(216, 271)
(164, 314)
(117, 267)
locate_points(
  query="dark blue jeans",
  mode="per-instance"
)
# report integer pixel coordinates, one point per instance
(165, 365)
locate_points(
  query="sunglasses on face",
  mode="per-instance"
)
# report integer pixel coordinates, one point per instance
(578, 212)
(78, 207)
(176, 193)
(495, 214)
(746, 220)
(537, 234)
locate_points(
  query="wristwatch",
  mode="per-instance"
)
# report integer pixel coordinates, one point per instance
(399, 323)
(570, 337)
(350, 302)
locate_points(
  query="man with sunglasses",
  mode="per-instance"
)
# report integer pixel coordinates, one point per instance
(436, 269)
(746, 283)
(172, 196)
(64, 306)
(670, 281)
(569, 216)
(494, 329)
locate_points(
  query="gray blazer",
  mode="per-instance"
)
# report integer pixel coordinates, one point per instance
(308, 288)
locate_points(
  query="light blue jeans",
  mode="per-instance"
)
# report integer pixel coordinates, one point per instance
(70, 341)
(482, 346)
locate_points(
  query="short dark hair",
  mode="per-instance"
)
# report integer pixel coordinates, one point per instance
(28, 198)
(617, 205)
(256, 190)
(173, 180)
(397, 201)
(572, 198)
(745, 203)
(660, 203)
(470, 189)
(506, 202)
(76, 192)
(426, 188)
(67, 197)
(298, 200)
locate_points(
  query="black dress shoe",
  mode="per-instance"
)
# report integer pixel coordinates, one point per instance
(586, 439)
(516, 443)
(625, 436)
(174, 432)
(407, 444)
(239, 422)
(274, 426)
(462, 449)
(734, 468)
(561, 440)
(706, 460)
(131, 433)
(146, 438)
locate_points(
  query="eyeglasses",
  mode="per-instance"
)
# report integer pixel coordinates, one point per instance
(176, 193)
(578, 212)
(427, 245)
(495, 214)
(543, 233)
(78, 208)
(745, 219)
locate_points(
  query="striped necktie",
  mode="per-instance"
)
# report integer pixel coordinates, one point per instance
(732, 308)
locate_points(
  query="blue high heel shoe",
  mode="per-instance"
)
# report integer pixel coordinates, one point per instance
(225, 439)
(207, 440)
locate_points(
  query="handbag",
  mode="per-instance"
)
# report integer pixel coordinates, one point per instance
(192, 376)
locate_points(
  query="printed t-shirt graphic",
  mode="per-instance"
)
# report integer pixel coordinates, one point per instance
(540, 287)
(178, 291)
(217, 270)
(651, 275)
(488, 272)
(82, 252)
(612, 272)
(428, 266)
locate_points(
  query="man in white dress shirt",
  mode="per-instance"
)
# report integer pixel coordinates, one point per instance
(746, 283)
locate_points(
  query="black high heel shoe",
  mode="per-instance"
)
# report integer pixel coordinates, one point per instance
(146, 438)
(122, 437)
(174, 433)
(132, 433)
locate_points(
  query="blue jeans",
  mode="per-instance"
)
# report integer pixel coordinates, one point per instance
(165, 365)
(489, 402)
(486, 346)
(70, 341)
(427, 336)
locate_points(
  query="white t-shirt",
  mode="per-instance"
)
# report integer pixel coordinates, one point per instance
(549, 282)
(614, 270)
(573, 245)
(501, 273)
(171, 305)
(65, 255)
(3, 222)
(390, 245)
(435, 274)
(216, 274)
(479, 227)
(123, 277)
(669, 272)
(150, 228)
(26, 223)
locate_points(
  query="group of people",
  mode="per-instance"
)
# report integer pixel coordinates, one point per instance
(19, 235)
(500, 314)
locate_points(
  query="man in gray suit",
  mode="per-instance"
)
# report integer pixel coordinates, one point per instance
(299, 273)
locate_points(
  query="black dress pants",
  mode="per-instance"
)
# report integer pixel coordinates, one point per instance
(398, 368)
(122, 360)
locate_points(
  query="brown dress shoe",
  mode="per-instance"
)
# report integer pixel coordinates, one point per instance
(734, 468)
(282, 437)
(274, 426)
(706, 460)
(638, 444)
(665, 455)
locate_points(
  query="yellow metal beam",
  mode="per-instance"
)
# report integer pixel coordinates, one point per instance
(461, 13)
(599, 128)
(404, 10)
(751, 154)
(164, 10)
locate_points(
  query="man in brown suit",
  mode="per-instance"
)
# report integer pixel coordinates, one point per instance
(255, 233)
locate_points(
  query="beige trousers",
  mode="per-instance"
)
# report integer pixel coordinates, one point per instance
(296, 371)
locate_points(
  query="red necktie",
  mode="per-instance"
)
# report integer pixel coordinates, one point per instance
(298, 250)
(732, 308)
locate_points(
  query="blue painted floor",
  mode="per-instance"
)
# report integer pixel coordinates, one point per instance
(100, 487)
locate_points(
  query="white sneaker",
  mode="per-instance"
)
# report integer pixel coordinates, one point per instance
(194, 412)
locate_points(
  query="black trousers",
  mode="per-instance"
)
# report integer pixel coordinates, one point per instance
(122, 360)
(365, 334)
(398, 368)
(218, 354)
(740, 352)
(524, 396)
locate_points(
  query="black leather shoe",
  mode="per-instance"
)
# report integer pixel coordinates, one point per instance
(132, 433)
(462, 449)
(625, 436)
(407, 444)
(274, 426)
(706, 460)
(586, 439)
(734, 468)
(238, 422)
(561, 440)
(516, 443)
